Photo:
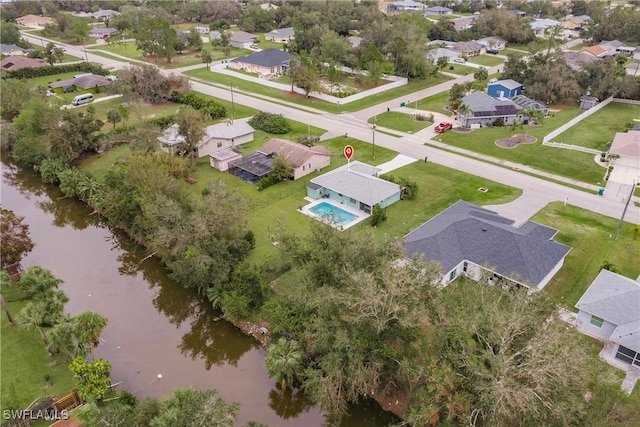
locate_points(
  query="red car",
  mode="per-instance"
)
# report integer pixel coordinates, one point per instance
(443, 127)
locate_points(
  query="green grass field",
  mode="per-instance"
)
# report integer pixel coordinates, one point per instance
(399, 121)
(128, 49)
(268, 44)
(435, 103)
(588, 234)
(598, 130)
(460, 69)
(571, 164)
(27, 370)
(259, 89)
(486, 60)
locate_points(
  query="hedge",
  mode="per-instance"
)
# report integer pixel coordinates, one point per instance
(272, 123)
(207, 106)
(28, 73)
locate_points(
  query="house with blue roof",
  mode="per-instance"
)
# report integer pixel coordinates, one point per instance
(504, 89)
(476, 242)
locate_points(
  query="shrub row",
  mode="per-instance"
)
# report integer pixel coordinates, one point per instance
(272, 123)
(207, 106)
(409, 188)
(28, 73)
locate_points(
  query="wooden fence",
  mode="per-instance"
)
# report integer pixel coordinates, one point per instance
(48, 405)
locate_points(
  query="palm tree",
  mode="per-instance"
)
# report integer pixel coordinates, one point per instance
(285, 362)
(113, 116)
(37, 281)
(5, 280)
(463, 110)
(62, 338)
(88, 327)
(32, 318)
(124, 113)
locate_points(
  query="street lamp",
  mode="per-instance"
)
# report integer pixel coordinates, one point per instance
(373, 147)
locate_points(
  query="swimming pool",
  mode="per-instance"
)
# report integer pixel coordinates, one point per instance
(332, 213)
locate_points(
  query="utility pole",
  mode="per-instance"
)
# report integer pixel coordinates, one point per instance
(233, 107)
(624, 211)
(373, 147)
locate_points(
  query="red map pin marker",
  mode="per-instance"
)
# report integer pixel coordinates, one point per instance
(348, 152)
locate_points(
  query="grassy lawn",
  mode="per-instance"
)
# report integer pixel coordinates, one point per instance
(128, 49)
(460, 69)
(598, 130)
(568, 163)
(268, 44)
(399, 121)
(577, 47)
(588, 234)
(27, 370)
(513, 52)
(435, 103)
(486, 60)
(99, 164)
(259, 89)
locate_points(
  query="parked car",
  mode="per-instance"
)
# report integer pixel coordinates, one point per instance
(443, 127)
(493, 51)
(459, 60)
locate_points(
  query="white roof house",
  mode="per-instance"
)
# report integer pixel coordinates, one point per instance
(610, 311)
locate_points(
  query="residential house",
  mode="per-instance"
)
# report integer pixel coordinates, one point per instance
(626, 146)
(102, 33)
(34, 21)
(596, 51)
(267, 63)
(484, 110)
(355, 185)
(577, 60)
(216, 138)
(493, 42)
(87, 82)
(437, 11)
(437, 53)
(303, 159)
(104, 14)
(242, 39)
(215, 35)
(10, 49)
(281, 35)
(539, 26)
(11, 63)
(575, 22)
(408, 6)
(465, 22)
(518, 13)
(609, 310)
(636, 53)
(470, 48)
(504, 89)
(354, 41)
(469, 240)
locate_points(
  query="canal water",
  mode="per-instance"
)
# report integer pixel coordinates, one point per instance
(156, 327)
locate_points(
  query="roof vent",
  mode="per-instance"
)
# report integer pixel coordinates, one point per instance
(484, 229)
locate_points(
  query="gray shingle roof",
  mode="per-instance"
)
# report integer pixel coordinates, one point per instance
(225, 131)
(354, 182)
(296, 154)
(616, 299)
(282, 32)
(468, 232)
(242, 37)
(480, 102)
(266, 58)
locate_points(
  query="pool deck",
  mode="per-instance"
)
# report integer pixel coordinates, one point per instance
(361, 216)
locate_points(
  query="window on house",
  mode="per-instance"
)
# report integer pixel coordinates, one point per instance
(352, 200)
(303, 167)
(219, 144)
(452, 275)
(465, 266)
(596, 321)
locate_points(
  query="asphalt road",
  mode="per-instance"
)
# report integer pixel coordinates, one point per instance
(537, 192)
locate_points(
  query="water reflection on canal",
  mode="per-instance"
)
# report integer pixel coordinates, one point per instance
(155, 325)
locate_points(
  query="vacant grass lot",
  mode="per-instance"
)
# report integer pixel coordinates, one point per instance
(128, 49)
(27, 370)
(568, 163)
(588, 234)
(399, 121)
(460, 69)
(486, 60)
(435, 103)
(259, 89)
(268, 44)
(598, 130)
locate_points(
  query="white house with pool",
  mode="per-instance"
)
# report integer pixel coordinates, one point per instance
(347, 195)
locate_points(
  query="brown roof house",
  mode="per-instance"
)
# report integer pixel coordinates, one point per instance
(34, 21)
(11, 63)
(304, 160)
(470, 48)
